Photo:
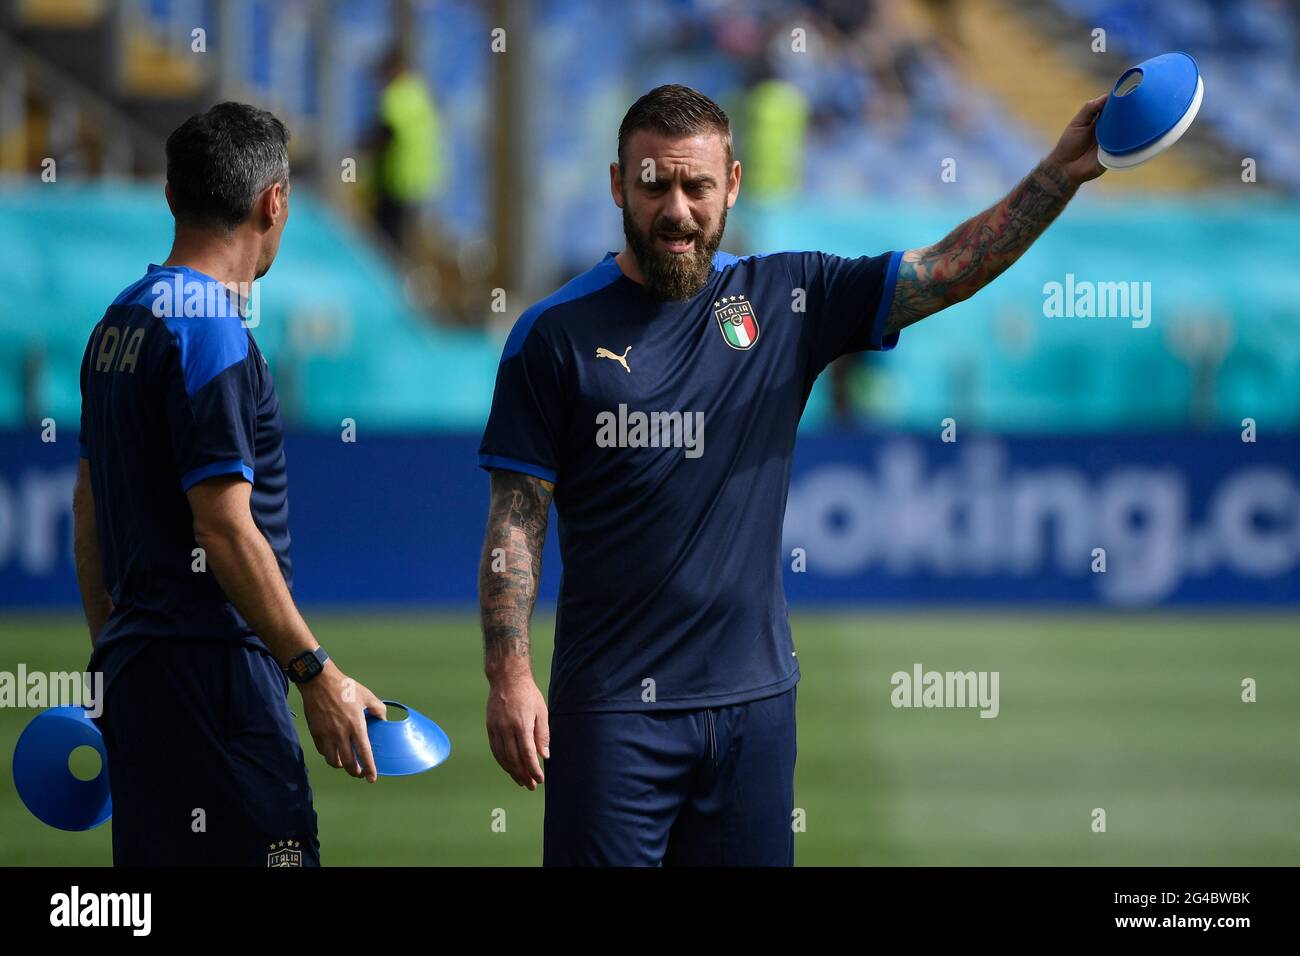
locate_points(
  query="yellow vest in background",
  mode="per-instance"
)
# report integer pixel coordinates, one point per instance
(774, 142)
(411, 165)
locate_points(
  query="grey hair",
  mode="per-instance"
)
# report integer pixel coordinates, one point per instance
(220, 161)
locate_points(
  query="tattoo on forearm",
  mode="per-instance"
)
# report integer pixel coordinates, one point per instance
(979, 250)
(511, 564)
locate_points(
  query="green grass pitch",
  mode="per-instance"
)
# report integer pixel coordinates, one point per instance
(1140, 715)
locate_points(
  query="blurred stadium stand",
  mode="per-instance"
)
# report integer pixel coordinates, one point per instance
(335, 320)
(843, 146)
(1247, 53)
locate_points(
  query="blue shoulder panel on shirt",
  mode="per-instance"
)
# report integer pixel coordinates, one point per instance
(602, 274)
(209, 345)
(725, 260)
(134, 293)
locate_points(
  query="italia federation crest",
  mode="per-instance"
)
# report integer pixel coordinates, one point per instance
(736, 319)
(285, 853)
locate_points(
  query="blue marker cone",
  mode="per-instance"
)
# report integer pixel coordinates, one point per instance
(1149, 109)
(43, 780)
(403, 747)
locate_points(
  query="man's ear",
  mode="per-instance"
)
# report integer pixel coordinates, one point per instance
(271, 204)
(171, 204)
(733, 186)
(616, 184)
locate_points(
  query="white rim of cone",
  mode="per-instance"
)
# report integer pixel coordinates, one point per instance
(1140, 156)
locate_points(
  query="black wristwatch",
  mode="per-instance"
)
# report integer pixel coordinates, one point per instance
(306, 665)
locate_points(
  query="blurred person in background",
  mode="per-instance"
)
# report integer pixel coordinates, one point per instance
(776, 133)
(408, 147)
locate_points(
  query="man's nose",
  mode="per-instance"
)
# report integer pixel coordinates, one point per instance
(676, 208)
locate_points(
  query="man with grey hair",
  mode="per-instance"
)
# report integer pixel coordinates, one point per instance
(182, 539)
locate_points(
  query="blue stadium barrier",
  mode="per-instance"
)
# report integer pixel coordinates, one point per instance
(878, 518)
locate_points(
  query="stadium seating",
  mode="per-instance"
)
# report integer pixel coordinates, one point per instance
(347, 344)
(335, 322)
(1248, 53)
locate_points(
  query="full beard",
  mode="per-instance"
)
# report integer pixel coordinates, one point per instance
(674, 275)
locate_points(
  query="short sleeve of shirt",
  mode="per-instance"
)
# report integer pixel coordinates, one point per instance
(524, 428)
(83, 436)
(848, 302)
(210, 390)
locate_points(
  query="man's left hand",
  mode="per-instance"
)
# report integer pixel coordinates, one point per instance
(1075, 154)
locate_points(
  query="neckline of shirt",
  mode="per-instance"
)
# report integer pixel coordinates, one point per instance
(235, 298)
(610, 262)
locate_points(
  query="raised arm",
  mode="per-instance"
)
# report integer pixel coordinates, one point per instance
(985, 246)
(509, 571)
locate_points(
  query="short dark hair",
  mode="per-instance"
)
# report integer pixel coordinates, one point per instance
(674, 110)
(220, 161)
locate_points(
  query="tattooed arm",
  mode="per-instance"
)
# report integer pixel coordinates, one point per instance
(509, 572)
(985, 246)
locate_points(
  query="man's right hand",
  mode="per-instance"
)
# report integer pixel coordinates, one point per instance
(249, 574)
(335, 705)
(518, 728)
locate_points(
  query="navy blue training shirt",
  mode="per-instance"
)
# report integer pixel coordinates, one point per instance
(668, 429)
(174, 390)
